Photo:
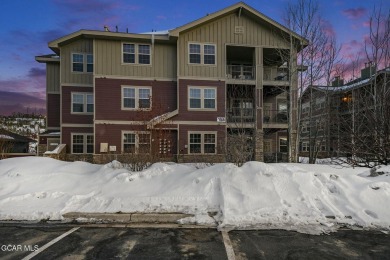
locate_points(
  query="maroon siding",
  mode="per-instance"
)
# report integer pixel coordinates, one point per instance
(183, 136)
(66, 137)
(112, 134)
(53, 104)
(67, 116)
(108, 99)
(185, 114)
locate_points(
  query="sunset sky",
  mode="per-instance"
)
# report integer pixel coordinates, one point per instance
(27, 26)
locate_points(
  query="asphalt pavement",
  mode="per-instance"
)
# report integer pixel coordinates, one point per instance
(149, 241)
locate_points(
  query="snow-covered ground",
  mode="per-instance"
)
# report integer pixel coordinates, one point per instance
(302, 197)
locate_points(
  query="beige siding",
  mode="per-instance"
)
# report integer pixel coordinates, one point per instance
(108, 61)
(221, 32)
(53, 78)
(67, 76)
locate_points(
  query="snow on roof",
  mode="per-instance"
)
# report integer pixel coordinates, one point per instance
(345, 87)
(163, 32)
(6, 137)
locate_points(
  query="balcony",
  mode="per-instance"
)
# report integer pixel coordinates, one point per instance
(240, 115)
(275, 76)
(240, 72)
(275, 119)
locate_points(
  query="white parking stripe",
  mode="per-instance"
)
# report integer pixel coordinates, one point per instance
(228, 246)
(50, 243)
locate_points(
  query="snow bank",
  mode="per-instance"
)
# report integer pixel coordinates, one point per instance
(306, 198)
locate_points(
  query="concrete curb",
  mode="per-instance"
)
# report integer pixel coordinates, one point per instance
(128, 217)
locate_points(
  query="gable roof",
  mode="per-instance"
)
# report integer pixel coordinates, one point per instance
(239, 8)
(10, 136)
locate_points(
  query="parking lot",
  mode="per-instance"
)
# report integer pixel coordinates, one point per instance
(60, 241)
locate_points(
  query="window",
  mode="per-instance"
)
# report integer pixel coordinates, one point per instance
(202, 143)
(136, 97)
(82, 143)
(144, 54)
(202, 53)
(82, 62)
(283, 145)
(78, 62)
(136, 53)
(202, 98)
(82, 103)
(305, 146)
(136, 142)
(89, 63)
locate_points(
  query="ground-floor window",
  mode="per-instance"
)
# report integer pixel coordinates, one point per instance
(82, 143)
(202, 142)
(136, 142)
(283, 145)
(305, 146)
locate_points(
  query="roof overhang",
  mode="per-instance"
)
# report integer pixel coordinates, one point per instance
(92, 34)
(48, 58)
(242, 8)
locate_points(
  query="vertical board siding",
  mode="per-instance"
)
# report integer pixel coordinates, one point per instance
(67, 76)
(53, 77)
(221, 32)
(109, 60)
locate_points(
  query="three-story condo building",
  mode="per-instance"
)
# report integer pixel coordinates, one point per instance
(185, 93)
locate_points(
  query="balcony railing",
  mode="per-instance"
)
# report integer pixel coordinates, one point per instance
(240, 72)
(240, 115)
(275, 74)
(275, 117)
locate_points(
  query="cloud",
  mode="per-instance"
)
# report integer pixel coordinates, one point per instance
(36, 72)
(355, 13)
(11, 102)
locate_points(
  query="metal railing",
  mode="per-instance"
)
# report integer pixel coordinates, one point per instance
(240, 72)
(275, 116)
(275, 157)
(243, 115)
(275, 74)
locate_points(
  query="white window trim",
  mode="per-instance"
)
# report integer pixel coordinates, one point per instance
(202, 88)
(201, 53)
(136, 53)
(85, 104)
(84, 142)
(305, 146)
(137, 88)
(279, 141)
(137, 133)
(85, 62)
(202, 133)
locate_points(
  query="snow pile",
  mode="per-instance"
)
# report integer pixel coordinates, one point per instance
(306, 198)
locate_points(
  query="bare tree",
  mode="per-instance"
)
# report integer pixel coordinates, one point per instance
(366, 126)
(319, 57)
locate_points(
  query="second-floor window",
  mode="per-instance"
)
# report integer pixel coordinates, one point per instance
(82, 62)
(202, 54)
(136, 53)
(136, 97)
(202, 98)
(82, 103)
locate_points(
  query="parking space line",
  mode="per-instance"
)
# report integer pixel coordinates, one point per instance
(50, 243)
(228, 246)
